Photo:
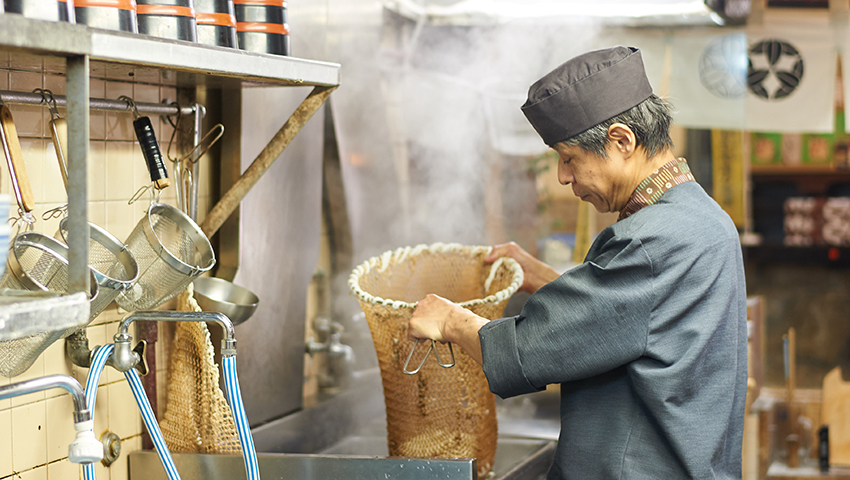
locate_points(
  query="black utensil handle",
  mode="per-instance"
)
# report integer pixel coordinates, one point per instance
(150, 149)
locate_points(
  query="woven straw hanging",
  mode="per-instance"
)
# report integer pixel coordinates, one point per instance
(197, 418)
(438, 412)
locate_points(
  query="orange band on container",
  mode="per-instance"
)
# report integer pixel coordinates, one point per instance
(119, 4)
(273, 3)
(262, 28)
(165, 10)
(221, 19)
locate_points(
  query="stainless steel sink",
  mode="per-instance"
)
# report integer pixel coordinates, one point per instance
(516, 459)
(344, 437)
(284, 466)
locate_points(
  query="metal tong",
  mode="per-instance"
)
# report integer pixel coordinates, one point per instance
(433, 348)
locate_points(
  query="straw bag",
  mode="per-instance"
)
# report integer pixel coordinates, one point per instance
(438, 412)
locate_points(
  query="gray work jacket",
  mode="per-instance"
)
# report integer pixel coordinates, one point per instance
(648, 340)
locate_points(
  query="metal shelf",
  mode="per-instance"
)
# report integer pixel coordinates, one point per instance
(27, 313)
(82, 53)
(142, 58)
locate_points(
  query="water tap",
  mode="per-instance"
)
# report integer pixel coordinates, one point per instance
(340, 357)
(85, 448)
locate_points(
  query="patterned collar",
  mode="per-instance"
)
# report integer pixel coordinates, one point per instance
(674, 172)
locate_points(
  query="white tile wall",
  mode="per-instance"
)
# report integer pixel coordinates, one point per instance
(35, 429)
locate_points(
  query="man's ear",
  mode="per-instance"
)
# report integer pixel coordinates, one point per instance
(622, 139)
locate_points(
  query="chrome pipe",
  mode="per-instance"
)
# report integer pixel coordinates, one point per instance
(81, 412)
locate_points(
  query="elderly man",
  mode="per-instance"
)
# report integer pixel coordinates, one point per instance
(647, 338)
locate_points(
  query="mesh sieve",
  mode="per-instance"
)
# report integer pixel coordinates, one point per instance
(439, 412)
(113, 265)
(197, 417)
(171, 251)
(36, 262)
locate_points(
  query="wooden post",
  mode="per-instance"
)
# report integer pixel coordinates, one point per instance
(230, 200)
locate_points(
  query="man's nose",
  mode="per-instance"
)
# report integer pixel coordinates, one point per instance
(565, 175)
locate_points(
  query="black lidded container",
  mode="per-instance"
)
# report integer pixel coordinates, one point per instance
(216, 21)
(174, 19)
(261, 26)
(117, 15)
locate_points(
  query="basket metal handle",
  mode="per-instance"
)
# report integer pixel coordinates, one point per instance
(433, 348)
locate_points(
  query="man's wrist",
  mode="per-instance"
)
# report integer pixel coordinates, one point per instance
(459, 323)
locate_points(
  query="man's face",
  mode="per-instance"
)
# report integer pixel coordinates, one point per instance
(594, 179)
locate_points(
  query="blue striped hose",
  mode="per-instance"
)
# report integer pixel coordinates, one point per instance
(231, 383)
(150, 422)
(99, 360)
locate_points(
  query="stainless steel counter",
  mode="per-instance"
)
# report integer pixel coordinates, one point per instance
(344, 436)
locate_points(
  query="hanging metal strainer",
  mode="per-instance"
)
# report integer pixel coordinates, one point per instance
(113, 265)
(171, 251)
(36, 262)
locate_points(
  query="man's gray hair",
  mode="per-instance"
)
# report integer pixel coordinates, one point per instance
(650, 120)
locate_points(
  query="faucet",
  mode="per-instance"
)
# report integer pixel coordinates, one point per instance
(85, 448)
(124, 357)
(340, 357)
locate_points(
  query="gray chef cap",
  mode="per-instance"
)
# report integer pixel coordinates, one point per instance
(586, 91)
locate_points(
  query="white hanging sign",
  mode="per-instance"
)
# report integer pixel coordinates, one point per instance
(791, 78)
(778, 77)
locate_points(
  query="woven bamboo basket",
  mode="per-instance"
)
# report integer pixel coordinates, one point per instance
(438, 412)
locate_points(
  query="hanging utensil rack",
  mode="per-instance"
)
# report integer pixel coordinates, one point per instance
(32, 98)
(80, 53)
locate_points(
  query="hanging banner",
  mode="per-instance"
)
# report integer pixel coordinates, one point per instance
(792, 63)
(775, 77)
(708, 78)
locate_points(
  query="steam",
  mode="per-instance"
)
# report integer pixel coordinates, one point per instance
(428, 115)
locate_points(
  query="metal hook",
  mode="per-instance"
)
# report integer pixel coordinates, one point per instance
(433, 348)
(440, 362)
(174, 130)
(57, 212)
(410, 355)
(48, 98)
(156, 194)
(26, 219)
(136, 196)
(131, 104)
(202, 151)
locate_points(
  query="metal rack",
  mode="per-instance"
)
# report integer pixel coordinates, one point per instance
(28, 98)
(82, 53)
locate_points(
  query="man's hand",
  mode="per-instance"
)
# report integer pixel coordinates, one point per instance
(535, 273)
(429, 318)
(436, 318)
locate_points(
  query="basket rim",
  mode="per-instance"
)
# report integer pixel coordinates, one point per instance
(382, 261)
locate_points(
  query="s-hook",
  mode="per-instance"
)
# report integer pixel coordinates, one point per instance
(433, 348)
